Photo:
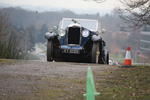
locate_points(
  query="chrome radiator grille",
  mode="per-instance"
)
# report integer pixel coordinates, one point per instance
(74, 35)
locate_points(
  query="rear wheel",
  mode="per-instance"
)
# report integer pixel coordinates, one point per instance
(50, 50)
(104, 58)
(107, 58)
(95, 53)
(101, 59)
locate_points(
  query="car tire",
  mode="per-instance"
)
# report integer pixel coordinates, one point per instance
(50, 50)
(104, 58)
(95, 53)
(101, 60)
(107, 58)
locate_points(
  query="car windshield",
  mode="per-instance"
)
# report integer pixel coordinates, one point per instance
(89, 24)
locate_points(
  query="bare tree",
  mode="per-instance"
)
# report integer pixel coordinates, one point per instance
(136, 11)
(4, 26)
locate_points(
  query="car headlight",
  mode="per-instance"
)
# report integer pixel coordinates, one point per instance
(62, 33)
(85, 33)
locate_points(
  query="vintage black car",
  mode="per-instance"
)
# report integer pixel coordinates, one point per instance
(76, 39)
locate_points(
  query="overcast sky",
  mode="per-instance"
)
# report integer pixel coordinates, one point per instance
(79, 6)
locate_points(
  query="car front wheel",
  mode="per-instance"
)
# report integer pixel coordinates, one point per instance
(49, 50)
(95, 53)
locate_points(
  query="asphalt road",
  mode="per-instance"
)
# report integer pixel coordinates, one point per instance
(41, 80)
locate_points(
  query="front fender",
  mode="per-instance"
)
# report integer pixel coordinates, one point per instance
(49, 35)
(96, 38)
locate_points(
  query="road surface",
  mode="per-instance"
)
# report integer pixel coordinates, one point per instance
(41, 80)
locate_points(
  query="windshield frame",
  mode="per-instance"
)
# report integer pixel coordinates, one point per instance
(62, 27)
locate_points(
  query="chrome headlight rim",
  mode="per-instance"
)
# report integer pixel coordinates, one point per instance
(85, 33)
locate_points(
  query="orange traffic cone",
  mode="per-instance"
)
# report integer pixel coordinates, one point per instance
(128, 59)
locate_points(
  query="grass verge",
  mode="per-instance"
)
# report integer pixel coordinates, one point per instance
(126, 84)
(7, 60)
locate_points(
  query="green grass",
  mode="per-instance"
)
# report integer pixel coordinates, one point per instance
(7, 60)
(126, 84)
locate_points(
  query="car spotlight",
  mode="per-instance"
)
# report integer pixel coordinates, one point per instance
(62, 32)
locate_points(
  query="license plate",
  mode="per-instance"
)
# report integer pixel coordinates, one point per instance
(72, 51)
